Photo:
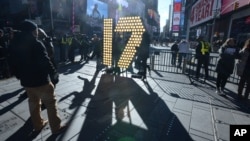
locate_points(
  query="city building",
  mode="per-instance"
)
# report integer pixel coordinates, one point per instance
(67, 16)
(218, 19)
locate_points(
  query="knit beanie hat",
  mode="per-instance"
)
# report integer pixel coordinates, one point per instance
(28, 26)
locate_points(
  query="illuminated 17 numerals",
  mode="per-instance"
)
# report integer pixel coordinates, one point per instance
(125, 24)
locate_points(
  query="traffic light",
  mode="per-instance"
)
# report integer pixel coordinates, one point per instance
(236, 5)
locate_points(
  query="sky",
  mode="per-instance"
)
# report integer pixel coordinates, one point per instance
(163, 8)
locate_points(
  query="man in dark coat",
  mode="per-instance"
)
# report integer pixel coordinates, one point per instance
(174, 49)
(143, 55)
(32, 66)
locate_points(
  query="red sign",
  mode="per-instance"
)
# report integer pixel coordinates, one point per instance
(177, 7)
(202, 11)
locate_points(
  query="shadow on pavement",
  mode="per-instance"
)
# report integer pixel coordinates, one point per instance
(99, 125)
(12, 105)
(7, 96)
(24, 133)
(71, 67)
(229, 100)
(79, 98)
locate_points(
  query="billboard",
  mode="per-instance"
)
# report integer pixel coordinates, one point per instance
(177, 7)
(123, 8)
(80, 10)
(176, 18)
(61, 9)
(96, 12)
(202, 11)
(176, 28)
(97, 9)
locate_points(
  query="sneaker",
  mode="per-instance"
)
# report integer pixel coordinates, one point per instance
(218, 91)
(60, 130)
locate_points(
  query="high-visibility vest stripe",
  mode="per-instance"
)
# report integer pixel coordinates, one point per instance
(204, 48)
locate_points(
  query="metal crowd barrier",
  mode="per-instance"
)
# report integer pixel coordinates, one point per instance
(161, 61)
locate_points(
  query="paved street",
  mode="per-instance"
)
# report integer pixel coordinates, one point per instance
(165, 107)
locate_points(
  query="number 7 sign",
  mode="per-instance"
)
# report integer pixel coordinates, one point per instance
(125, 24)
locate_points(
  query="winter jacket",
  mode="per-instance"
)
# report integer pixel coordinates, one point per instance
(174, 48)
(183, 47)
(30, 61)
(225, 64)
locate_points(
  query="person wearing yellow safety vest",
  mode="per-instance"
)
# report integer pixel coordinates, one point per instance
(64, 49)
(71, 52)
(202, 50)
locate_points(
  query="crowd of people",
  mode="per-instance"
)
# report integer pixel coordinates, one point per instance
(28, 54)
(229, 54)
(70, 45)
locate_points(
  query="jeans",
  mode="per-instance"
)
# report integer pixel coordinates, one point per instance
(202, 60)
(221, 81)
(45, 94)
(180, 58)
(173, 59)
(244, 80)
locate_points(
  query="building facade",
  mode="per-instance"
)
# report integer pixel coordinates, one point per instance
(218, 20)
(65, 16)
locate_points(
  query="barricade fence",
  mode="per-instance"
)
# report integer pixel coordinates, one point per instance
(161, 61)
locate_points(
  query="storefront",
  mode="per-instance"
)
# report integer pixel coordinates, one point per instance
(201, 19)
(240, 26)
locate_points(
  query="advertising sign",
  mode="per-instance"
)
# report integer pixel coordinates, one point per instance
(97, 9)
(96, 12)
(61, 9)
(202, 11)
(176, 19)
(230, 5)
(177, 7)
(175, 28)
(123, 8)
